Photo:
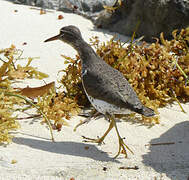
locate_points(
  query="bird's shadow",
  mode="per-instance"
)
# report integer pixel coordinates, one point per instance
(66, 148)
(171, 159)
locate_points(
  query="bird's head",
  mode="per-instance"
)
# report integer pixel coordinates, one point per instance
(68, 34)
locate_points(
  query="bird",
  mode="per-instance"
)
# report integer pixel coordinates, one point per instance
(106, 88)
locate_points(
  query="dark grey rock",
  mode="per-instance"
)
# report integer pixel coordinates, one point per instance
(154, 16)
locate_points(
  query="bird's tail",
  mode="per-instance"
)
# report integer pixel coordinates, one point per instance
(148, 112)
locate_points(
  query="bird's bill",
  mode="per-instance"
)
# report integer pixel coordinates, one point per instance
(53, 38)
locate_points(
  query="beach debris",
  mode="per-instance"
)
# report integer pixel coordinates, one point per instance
(42, 11)
(86, 147)
(159, 144)
(51, 106)
(14, 161)
(127, 168)
(60, 16)
(104, 168)
(37, 91)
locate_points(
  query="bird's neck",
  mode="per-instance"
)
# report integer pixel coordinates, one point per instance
(84, 50)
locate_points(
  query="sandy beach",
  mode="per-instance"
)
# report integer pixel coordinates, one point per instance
(39, 158)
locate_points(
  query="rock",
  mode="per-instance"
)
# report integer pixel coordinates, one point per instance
(154, 17)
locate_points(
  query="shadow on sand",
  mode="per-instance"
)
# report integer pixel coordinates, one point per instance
(67, 148)
(173, 159)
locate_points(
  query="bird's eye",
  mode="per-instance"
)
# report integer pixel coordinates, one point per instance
(61, 30)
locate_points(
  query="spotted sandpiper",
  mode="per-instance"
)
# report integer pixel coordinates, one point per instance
(106, 88)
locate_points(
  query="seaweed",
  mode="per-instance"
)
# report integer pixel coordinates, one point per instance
(158, 72)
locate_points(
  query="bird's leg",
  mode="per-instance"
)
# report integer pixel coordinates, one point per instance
(100, 140)
(122, 145)
(89, 114)
(87, 120)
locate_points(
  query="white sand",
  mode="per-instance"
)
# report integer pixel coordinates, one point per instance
(38, 158)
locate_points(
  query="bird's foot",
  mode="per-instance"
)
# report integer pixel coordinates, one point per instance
(123, 148)
(82, 122)
(98, 140)
(94, 114)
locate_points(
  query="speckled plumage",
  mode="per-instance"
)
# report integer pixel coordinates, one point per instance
(102, 82)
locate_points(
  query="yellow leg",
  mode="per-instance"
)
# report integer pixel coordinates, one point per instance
(122, 145)
(93, 114)
(100, 140)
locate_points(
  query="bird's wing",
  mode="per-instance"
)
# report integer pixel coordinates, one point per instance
(110, 86)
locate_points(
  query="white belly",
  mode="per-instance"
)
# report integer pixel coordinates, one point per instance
(104, 107)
